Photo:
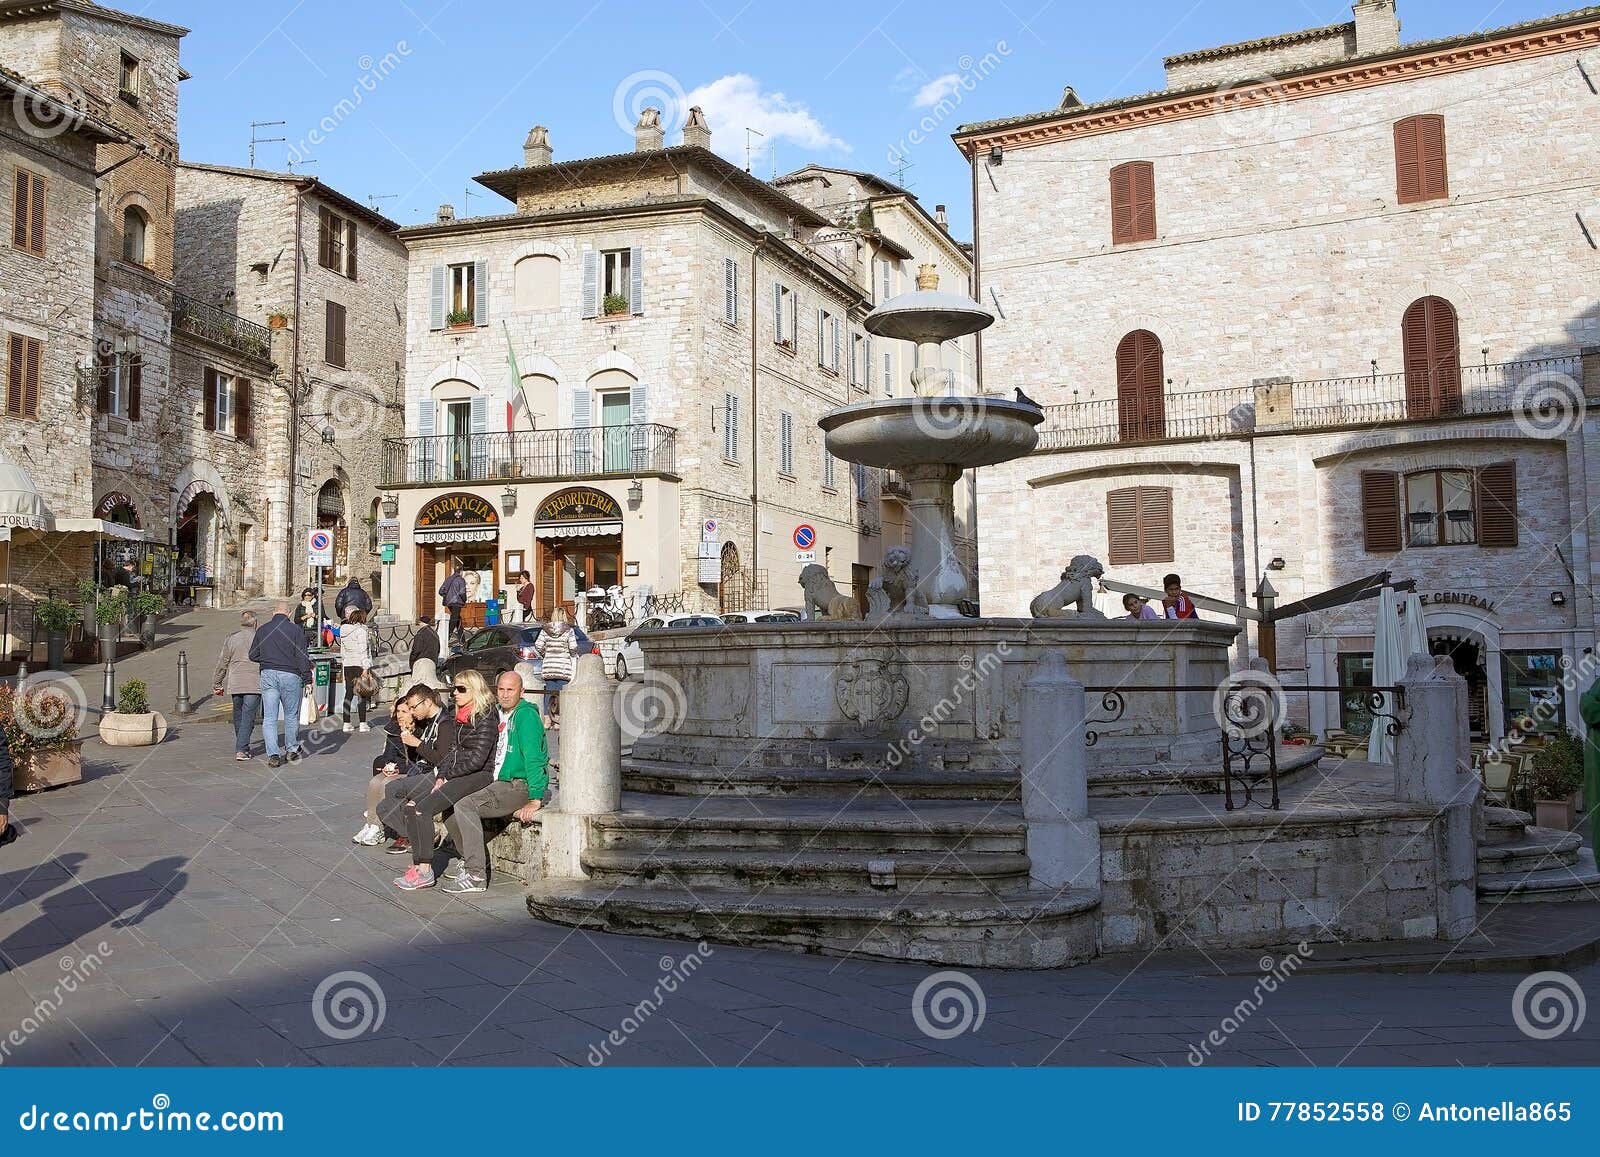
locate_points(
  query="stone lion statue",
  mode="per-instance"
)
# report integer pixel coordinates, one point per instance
(1075, 589)
(895, 590)
(822, 597)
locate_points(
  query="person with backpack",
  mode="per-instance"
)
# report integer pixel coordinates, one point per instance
(352, 598)
(453, 594)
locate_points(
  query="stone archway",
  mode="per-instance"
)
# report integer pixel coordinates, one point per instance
(1472, 639)
(730, 591)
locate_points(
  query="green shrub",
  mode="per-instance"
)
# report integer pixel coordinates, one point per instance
(56, 615)
(148, 603)
(112, 608)
(133, 698)
(1557, 771)
(615, 303)
(459, 317)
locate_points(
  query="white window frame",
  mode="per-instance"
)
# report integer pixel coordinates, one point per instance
(858, 357)
(617, 262)
(117, 399)
(130, 75)
(343, 231)
(461, 284)
(224, 404)
(784, 325)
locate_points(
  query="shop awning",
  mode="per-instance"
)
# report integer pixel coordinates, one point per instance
(577, 529)
(98, 526)
(21, 504)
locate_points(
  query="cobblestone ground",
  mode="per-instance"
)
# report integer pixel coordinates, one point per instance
(178, 908)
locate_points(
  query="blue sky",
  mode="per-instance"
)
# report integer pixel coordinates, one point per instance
(438, 91)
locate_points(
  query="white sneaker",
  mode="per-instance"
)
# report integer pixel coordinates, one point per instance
(363, 728)
(456, 870)
(349, 727)
(369, 836)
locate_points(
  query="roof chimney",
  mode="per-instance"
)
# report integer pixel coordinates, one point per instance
(1070, 98)
(695, 130)
(446, 213)
(536, 149)
(1377, 26)
(648, 134)
(938, 215)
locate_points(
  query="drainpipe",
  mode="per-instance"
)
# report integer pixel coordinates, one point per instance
(294, 404)
(755, 419)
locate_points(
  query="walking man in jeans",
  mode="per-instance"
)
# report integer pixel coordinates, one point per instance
(237, 676)
(453, 594)
(279, 648)
(521, 774)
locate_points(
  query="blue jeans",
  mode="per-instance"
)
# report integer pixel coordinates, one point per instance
(245, 710)
(281, 690)
(552, 688)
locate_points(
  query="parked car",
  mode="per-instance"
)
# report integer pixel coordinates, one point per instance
(630, 657)
(494, 649)
(766, 616)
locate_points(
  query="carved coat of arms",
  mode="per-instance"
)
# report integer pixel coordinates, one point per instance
(872, 691)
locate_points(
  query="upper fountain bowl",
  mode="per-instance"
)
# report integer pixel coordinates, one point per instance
(928, 315)
(896, 433)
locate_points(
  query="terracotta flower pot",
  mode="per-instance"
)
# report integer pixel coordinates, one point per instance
(39, 770)
(119, 730)
(1555, 813)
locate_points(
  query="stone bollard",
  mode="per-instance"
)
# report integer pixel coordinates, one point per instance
(590, 779)
(1063, 842)
(1433, 767)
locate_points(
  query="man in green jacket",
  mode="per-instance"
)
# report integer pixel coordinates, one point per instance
(521, 774)
(1589, 710)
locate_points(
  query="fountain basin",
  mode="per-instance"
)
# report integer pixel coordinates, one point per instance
(901, 433)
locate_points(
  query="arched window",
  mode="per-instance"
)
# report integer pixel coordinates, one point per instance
(538, 282)
(730, 591)
(1141, 388)
(372, 525)
(1431, 341)
(135, 226)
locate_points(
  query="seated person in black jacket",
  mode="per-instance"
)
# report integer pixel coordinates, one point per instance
(393, 762)
(461, 757)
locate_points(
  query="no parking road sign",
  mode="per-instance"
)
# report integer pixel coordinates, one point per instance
(805, 536)
(320, 548)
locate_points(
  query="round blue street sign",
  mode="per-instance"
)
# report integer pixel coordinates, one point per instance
(805, 536)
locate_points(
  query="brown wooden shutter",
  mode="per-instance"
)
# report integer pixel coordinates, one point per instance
(1144, 201)
(1431, 343)
(32, 372)
(1407, 162)
(333, 335)
(241, 410)
(324, 238)
(19, 210)
(1121, 205)
(350, 249)
(1141, 387)
(210, 391)
(15, 366)
(1497, 505)
(105, 366)
(36, 217)
(135, 382)
(1421, 170)
(1155, 524)
(1122, 521)
(1380, 510)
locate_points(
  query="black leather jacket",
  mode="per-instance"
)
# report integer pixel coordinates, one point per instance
(463, 748)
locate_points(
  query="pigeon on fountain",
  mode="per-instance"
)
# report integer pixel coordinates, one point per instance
(1027, 401)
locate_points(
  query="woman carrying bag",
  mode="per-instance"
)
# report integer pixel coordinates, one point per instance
(355, 656)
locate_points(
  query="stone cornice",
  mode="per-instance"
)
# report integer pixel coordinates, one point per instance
(1320, 81)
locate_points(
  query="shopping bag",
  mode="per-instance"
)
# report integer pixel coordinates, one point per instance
(308, 708)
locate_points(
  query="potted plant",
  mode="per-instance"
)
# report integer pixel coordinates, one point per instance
(459, 319)
(55, 617)
(41, 726)
(147, 608)
(133, 724)
(87, 594)
(109, 612)
(614, 304)
(1554, 779)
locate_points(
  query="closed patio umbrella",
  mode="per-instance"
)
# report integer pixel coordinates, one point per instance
(1388, 665)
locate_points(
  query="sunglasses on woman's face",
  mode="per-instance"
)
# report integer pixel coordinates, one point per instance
(460, 689)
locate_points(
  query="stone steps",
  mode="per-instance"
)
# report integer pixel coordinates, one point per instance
(1197, 779)
(1577, 882)
(852, 779)
(1539, 849)
(1504, 825)
(1033, 929)
(819, 872)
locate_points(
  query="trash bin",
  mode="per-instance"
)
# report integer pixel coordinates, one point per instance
(491, 613)
(322, 664)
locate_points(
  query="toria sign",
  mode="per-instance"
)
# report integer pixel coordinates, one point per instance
(458, 518)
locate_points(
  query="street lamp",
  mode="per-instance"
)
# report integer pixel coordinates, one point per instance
(635, 493)
(391, 506)
(508, 500)
(327, 435)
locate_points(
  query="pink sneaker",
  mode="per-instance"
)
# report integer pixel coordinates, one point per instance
(418, 876)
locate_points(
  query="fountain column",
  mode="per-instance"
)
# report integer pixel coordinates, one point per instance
(942, 581)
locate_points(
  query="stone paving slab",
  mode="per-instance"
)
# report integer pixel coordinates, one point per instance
(226, 893)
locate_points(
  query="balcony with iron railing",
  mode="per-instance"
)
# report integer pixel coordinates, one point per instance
(221, 328)
(1543, 388)
(531, 455)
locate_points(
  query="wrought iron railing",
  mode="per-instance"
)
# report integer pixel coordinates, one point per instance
(1548, 390)
(221, 328)
(538, 455)
(1194, 414)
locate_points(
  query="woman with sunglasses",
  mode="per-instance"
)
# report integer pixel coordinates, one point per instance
(462, 758)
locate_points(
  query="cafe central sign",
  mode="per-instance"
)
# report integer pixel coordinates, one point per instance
(1459, 598)
(458, 517)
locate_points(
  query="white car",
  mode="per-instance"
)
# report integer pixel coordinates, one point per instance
(733, 617)
(630, 656)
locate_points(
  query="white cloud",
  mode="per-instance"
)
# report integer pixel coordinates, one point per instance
(936, 90)
(736, 102)
(907, 78)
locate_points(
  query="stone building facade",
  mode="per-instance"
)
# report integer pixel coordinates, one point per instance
(678, 330)
(1306, 318)
(322, 277)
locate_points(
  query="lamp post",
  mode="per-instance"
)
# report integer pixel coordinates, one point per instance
(1267, 630)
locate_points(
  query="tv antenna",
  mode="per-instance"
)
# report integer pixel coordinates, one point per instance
(291, 163)
(255, 140)
(374, 198)
(899, 171)
(466, 200)
(749, 147)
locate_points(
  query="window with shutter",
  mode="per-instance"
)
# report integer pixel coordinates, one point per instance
(24, 366)
(105, 368)
(28, 216)
(14, 365)
(333, 335)
(1139, 524)
(730, 291)
(1431, 349)
(19, 210)
(135, 385)
(785, 442)
(209, 390)
(1497, 505)
(325, 238)
(1380, 511)
(1133, 202)
(243, 422)
(783, 315)
(1141, 387)
(730, 427)
(828, 470)
(1421, 168)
